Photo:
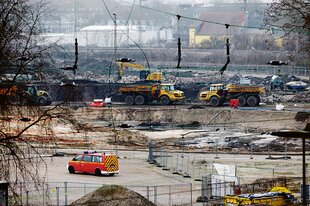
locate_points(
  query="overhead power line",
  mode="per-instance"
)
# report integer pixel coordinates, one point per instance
(201, 20)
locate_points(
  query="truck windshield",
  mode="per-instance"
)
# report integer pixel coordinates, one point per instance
(168, 87)
(212, 88)
(215, 88)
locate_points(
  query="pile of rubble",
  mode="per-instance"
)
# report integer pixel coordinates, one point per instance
(301, 97)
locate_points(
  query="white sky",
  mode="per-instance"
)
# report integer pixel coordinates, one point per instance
(203, 1)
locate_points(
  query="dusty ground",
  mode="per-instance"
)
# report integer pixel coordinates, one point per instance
(198, 128)
(203, 135)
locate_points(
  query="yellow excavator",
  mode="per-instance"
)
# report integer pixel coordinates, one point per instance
(144, 74)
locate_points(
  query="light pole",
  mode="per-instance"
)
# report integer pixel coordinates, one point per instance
(299, 134)
(115, 34)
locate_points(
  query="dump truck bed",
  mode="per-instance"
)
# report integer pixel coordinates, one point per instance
(136, 88)
(244, 89)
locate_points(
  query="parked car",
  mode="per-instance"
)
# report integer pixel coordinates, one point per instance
(94, 163)
(97, 103)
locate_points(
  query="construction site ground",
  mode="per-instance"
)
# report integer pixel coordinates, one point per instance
(136, 174)
(196, 136)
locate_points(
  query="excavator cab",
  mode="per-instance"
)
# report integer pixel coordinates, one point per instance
(144, 74)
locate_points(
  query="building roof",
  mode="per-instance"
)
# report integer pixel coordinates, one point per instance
(206, 28)
(107, 28)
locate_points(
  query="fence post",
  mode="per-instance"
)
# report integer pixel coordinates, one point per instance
(161, 158)
(66, 194)
(21, 192)
(148, 192)
(57, 195)
(169, 195)
(27, 196)
(84, 188)
(171, 167)
(155, 195)
(191, 186)
(43, 194)
(177, 164)
(193, 169)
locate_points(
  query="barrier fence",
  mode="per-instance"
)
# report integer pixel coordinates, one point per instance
(210, 186)
(248, 69)
(64, 193)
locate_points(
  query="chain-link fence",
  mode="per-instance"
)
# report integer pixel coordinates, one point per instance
(249, 69)
(64, 193)
(196, 166)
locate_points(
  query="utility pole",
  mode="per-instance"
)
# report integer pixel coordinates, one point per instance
(139, 22)
(75, 20)
(115, 34)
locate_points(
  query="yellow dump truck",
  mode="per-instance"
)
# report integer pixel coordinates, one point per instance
(146, 92)
(218, 94)
(277, 196)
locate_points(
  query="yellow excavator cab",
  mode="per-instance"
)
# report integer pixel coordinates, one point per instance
(145, 75)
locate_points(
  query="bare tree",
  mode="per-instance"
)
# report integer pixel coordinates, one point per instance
(21, 53)
(293, 18)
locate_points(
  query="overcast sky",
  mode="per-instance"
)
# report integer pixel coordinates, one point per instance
(203, 1)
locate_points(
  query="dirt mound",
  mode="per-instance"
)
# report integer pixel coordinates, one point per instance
(113, 195)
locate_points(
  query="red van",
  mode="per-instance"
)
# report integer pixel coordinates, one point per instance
(93, 162)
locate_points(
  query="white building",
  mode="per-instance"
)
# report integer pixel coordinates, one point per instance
(103, 36)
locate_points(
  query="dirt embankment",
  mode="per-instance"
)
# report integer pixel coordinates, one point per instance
(103, 128)
(260, 120)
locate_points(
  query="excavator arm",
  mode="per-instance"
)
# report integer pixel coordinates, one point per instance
(122, 65)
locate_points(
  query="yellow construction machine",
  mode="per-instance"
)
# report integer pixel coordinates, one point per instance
(276, 196)
(144, 74)
(146, 92)
(218, 94)
(25, 94)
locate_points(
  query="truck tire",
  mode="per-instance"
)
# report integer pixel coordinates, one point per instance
(164, 100)
(129, 100)
(252, 101)
(139, 100)
(215, 101)
(42, 101)
(49, 102)
(242, 101)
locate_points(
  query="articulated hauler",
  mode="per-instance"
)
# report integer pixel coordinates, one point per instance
(218, 94)
(148, 91)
